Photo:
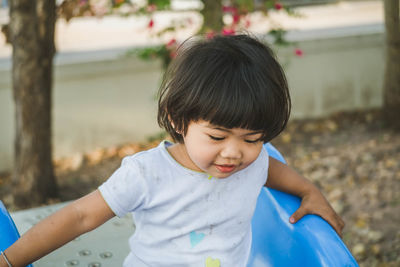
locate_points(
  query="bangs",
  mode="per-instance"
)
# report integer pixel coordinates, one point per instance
(231, 82)
(231, 102)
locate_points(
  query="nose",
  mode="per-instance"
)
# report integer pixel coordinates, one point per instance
(231, 150)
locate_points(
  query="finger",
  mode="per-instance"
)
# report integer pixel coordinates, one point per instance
(336, 222)
(341, 225)
(297, 215)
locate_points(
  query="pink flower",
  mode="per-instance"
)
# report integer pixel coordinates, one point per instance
(172, 42)
(228, 31)
(229, 9)
(210, 35)
(298, 52)
(151, 24)
(236, 18)
(278, 6)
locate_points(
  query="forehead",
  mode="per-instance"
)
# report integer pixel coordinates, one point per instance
(239, 131)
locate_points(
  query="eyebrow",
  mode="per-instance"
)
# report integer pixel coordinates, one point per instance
(229, 131)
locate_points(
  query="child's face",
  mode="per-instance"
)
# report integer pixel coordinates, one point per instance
(218, 151)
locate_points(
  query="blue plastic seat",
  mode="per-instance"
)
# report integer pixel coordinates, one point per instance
(276, 242)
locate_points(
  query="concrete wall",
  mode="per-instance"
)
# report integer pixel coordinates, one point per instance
(96, 104)
(103, 99)
(336, 73)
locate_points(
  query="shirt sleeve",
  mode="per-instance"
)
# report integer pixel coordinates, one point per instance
(125, 191)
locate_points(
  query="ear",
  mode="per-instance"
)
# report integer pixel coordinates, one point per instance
(177, 131)
(173, 125)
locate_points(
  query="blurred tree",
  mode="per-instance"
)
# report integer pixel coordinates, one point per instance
(212, 16)
(31, 32)
(392, 68)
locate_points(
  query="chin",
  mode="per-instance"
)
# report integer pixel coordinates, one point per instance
(223, 175)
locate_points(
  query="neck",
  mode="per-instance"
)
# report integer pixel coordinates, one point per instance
(179, 153)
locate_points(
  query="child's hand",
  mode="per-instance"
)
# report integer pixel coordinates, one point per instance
(282, 177)
(315, 203)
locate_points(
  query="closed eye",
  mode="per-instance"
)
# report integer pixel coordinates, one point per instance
(216, 138)
(252, 141)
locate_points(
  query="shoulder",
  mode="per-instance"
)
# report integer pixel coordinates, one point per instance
(143, 157)
(149, 161)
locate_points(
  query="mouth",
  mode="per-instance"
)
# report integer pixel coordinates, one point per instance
(225, 168)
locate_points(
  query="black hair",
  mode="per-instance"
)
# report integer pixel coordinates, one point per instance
(229, 81)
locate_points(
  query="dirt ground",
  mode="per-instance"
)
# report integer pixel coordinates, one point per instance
(351, 157)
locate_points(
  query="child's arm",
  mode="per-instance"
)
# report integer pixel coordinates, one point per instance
(79, 217)
(283, 178)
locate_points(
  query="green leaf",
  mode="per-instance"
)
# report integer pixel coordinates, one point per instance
(161, 4)
(279, 36)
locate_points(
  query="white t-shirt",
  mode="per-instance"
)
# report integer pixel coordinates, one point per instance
(183, 218)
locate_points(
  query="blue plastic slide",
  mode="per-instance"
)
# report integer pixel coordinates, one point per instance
(276, 242)
(8, 232)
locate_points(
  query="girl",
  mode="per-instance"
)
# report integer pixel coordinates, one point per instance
(193, 200)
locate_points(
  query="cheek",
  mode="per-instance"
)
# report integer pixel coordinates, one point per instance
(254, 153)
(201, 153)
